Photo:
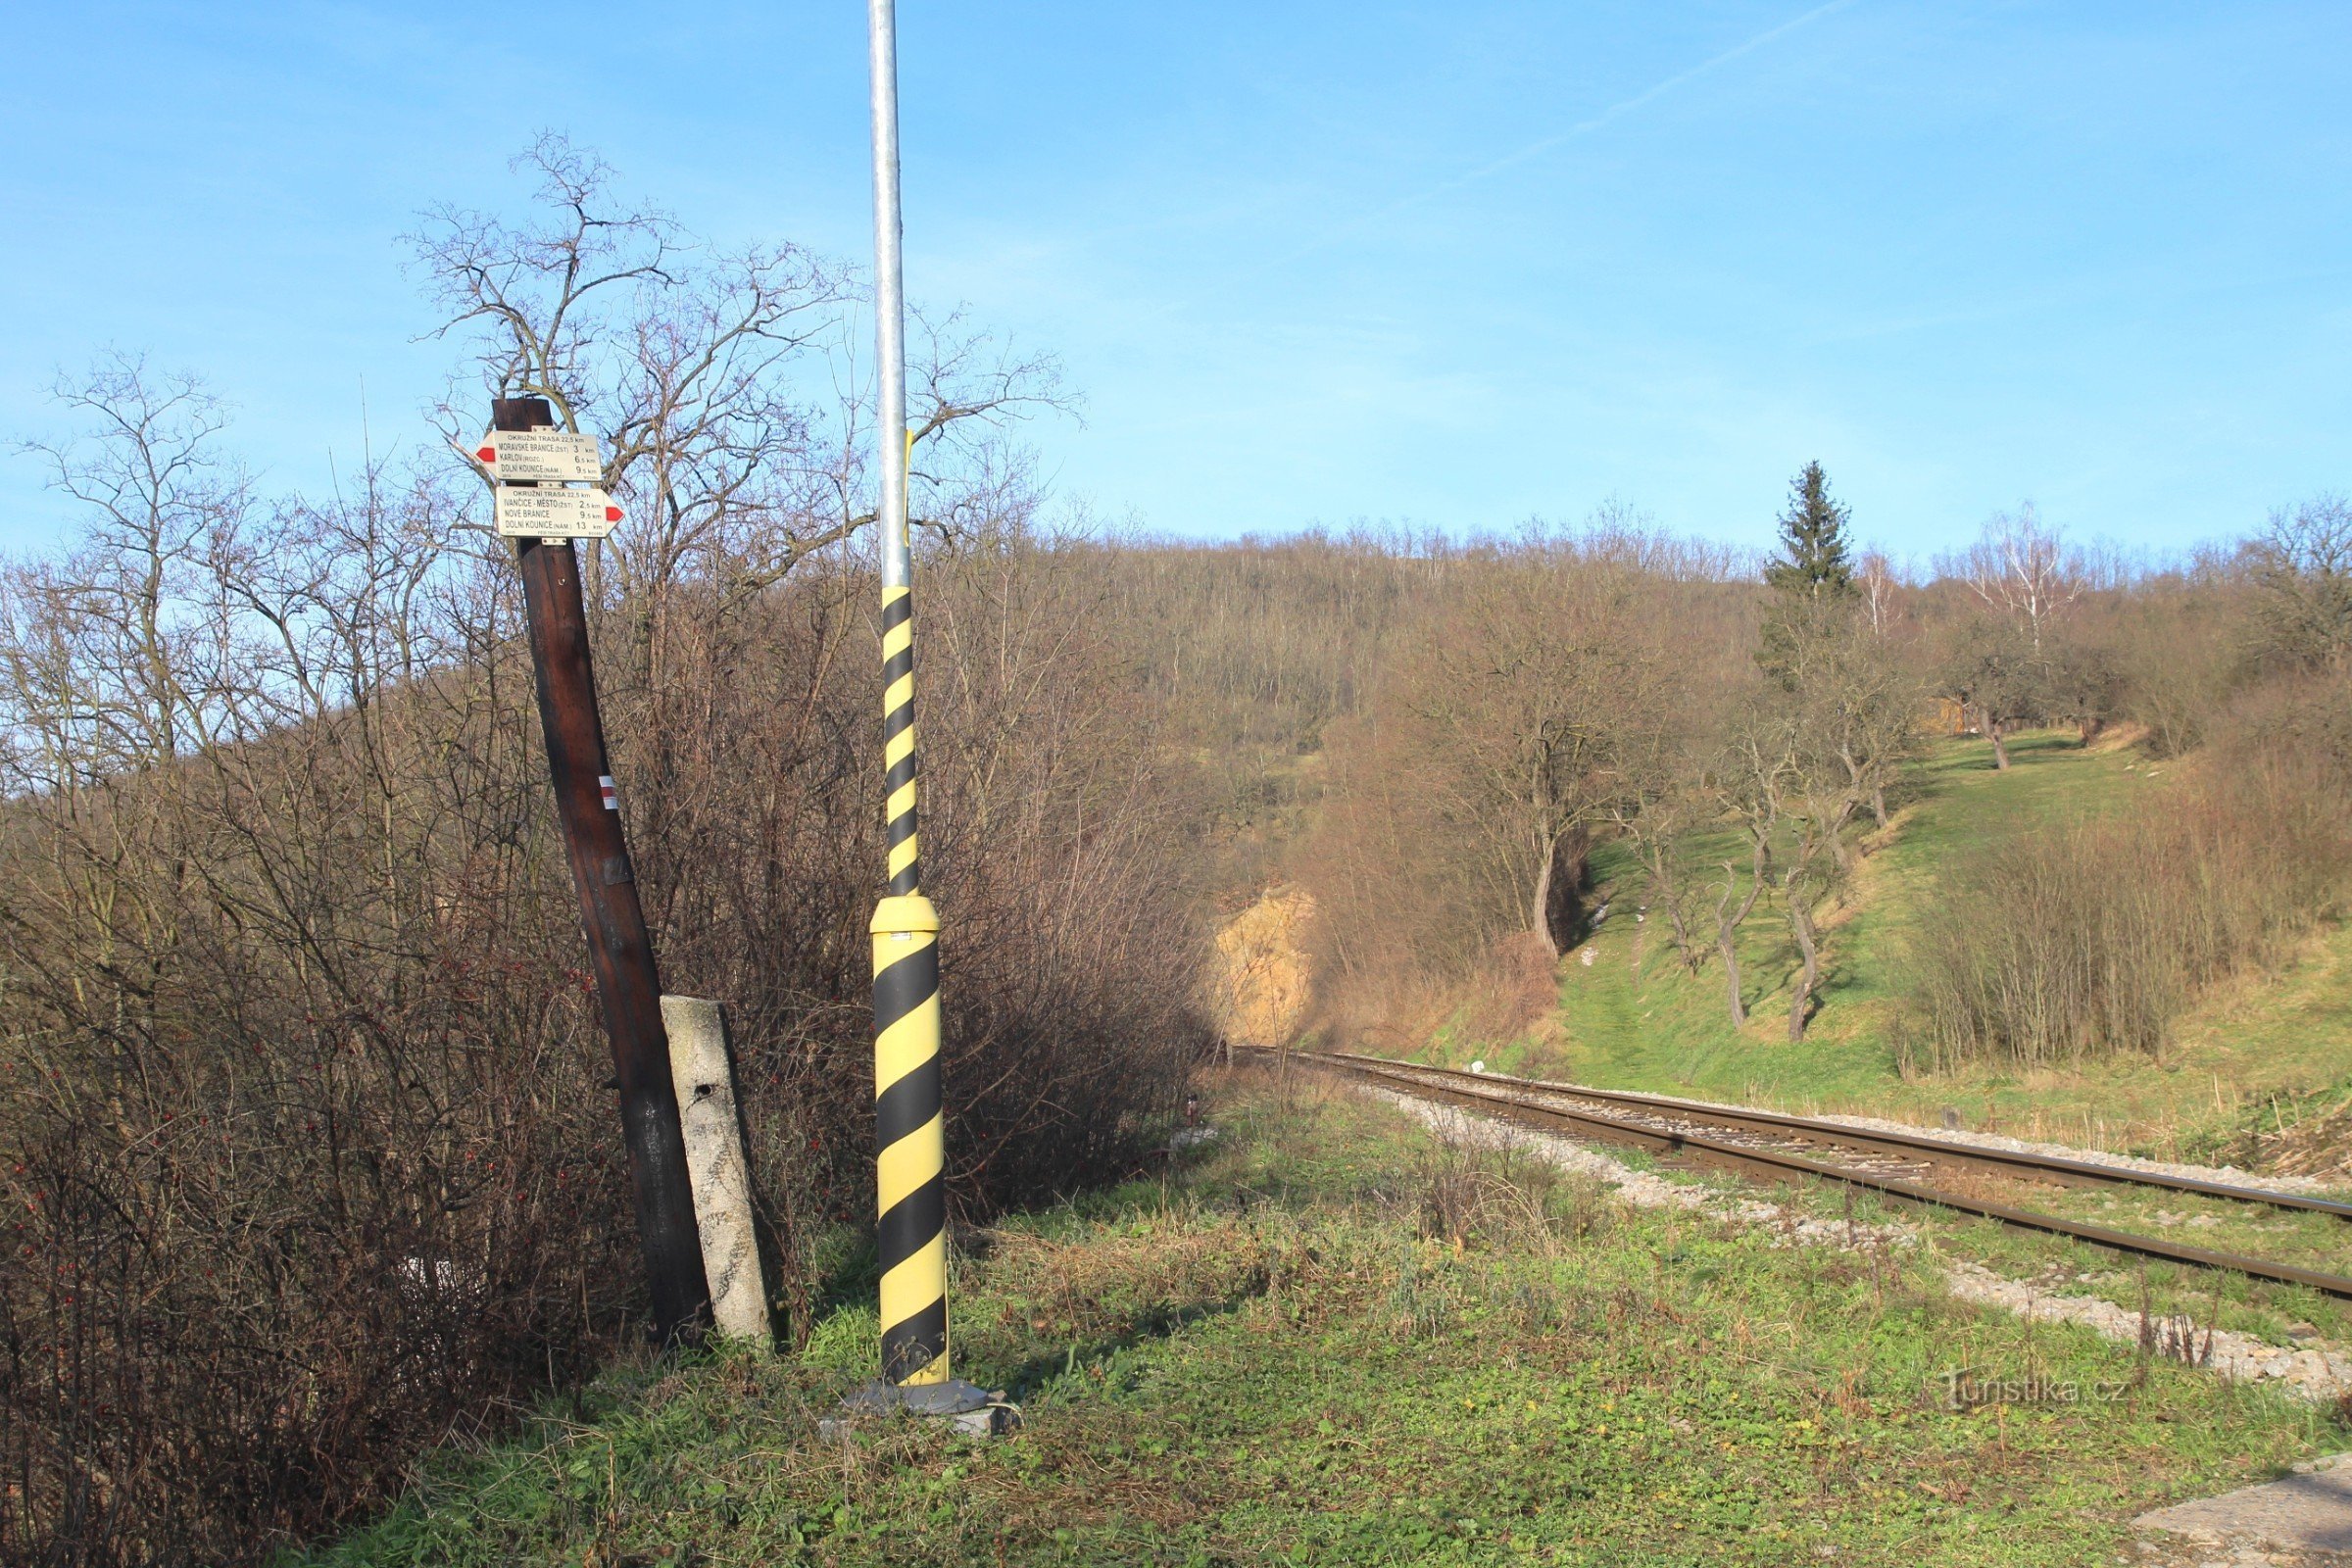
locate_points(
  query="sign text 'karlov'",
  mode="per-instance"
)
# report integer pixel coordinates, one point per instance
(538, 457)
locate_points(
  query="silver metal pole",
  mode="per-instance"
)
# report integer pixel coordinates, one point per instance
(890, 290)
(910, 1231)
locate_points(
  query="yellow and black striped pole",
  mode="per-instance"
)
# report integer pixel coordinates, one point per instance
(909, 1124)
(898, 740)
(910, 1130)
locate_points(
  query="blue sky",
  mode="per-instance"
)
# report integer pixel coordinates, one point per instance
(1451, 264)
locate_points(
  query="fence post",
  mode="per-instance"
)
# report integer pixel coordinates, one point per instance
(704, 1072)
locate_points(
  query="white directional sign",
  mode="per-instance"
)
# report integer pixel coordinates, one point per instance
(539, 456)
(551, 513)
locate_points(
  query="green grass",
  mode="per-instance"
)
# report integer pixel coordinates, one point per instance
(2247, 1055)
(2263, 1309)
(1332, 1342)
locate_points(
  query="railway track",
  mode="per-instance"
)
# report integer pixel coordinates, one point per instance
(1781, 1148)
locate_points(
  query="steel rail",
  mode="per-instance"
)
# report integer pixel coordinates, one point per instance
(1778, 1163)
(2045, 1168)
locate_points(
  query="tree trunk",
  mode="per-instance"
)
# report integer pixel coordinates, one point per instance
(1864, 789)
(1840, 852)
(1727, 924)
(1556, 912)
(2000, 751)
(1731, 976)
(1538, 912)
(1801, 926)
(1683, 947)
(1665, 896)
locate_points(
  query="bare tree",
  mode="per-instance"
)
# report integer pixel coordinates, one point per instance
(1750, 781)
(1533, 700)
(1792, 794)
(2021, 569)
(734, 427)
(2302, 564)
(1854, 709)
(1815, 858)
(2081, 685)
(1659, 830)
(155, 488)
(1881, 587)
(2177, 654)
(1996, 677)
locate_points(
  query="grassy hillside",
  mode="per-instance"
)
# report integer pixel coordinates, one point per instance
(1334, 1342)
(2250, 1056)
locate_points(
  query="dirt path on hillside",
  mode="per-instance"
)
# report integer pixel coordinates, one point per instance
(1261, 985)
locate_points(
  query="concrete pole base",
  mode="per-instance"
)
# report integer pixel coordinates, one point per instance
(969, 1409)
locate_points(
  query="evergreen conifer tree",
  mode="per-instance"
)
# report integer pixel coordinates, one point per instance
(1812, 579)
(1815, 563)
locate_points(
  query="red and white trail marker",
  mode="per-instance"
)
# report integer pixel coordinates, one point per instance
(604, 788)
(538, 457)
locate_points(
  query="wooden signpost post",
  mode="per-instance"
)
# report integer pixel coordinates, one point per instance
(545, 519)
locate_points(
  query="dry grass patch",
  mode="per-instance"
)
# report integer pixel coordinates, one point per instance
(1105, 1286)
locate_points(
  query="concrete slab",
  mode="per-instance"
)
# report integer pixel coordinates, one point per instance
(2298, 1521)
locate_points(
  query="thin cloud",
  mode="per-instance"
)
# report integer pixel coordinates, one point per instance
(1617, 110)
(1582, 127)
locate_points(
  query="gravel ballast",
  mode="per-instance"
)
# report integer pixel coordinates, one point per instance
(2319, 1371)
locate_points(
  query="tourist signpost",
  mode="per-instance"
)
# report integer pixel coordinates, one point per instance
(544, 517)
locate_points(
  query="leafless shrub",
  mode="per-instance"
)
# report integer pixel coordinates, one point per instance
(2178, 650)
(2083, 938)
(1518, 985)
